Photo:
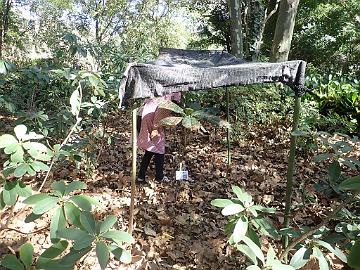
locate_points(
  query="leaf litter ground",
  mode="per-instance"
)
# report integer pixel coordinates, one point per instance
(175, 225)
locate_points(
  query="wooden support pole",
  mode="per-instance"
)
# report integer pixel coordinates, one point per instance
(133, 171)
(228, 129)
(291, 167)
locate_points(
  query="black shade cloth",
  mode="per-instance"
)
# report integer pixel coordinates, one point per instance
(178, 70)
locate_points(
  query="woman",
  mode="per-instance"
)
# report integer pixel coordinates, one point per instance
(152, 137)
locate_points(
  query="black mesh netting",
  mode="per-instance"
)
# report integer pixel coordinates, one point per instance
(178, 70)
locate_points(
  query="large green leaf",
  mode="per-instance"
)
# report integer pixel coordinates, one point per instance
(84, 202)
(221, 202)
(265, 226)
(107, 223)
(50, 253)
(72, 214)
(240, 229)
(10, 193)
(73, 256)
(244, 197)
(88, 222)
(248, 252)
(170, 121)
(336, 251)
(334, 171)
(212, 119)
(58, 222)
(38, 151)
(254, 248)
(171, 106)
(323, 264)
(74, 186)
(12, 263)
(18, 155)
(23, 190)
(60, 187)
(20, 131)
(119, 237)
(45, 205)
(354, 257)
(102, 253)
(26, 254)
(352, 183)
(33, 199)
(75, 101)
(232, 209)
(83, 242)
(39, 166)
(21, 170)
(190, 122)
(300, 258)
(121, 254)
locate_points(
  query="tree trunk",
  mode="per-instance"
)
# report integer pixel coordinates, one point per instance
(236, 27)
(284, 30)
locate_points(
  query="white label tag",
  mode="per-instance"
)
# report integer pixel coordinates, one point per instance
(182, 175)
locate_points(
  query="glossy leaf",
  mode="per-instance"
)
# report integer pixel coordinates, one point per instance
(26, 254)
(102, 253)
(75, 102)
(121, 254)
(352, 183)
(21, 170)
(119, 237)
(300, 258)
(20, 131)
(248, 252)
(170, 121)
(169, 105)
(33, 199)
(84, 202)
(323, 264)
(88, 222)
(45, 205)
(244, 197)
(232, 209)
(334, 171)
(75, 185)
(72, 214)
(57, 222)
(12, 263)
(354, 257)
(221, 202)
(240, 229)
(254, 248)
(50, 253)
(107, 224)
(336, 251)
(59, 186)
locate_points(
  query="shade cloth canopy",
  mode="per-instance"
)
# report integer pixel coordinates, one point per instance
(178, 70)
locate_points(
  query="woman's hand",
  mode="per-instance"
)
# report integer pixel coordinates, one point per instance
(154, 134)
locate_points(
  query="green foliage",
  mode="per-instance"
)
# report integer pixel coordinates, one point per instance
(245, 225)
(337, 98)
(24, 262)
(62, 204)
(26, 155)
(317, 38)
(189, 117)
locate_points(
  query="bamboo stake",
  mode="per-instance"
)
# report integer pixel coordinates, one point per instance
(228, 129)
(291, 167)
(133, 172)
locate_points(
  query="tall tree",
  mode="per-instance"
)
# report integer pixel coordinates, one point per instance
(236, 28)
(4, 22)
(284, 30)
